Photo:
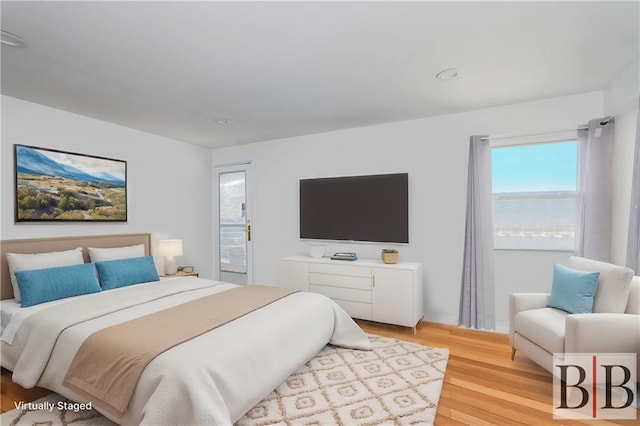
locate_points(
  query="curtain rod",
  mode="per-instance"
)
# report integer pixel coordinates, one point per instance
(604, 121)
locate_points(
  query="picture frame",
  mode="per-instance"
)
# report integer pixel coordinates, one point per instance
(60, 186)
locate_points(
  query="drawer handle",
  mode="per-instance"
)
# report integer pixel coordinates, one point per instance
(374, 280)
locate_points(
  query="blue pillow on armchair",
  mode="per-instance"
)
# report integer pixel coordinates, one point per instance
(573, 291)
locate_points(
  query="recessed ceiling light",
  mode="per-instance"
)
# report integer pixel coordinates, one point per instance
(448, 74)
(222, 120)
(11, 39)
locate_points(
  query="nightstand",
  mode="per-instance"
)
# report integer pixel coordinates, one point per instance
(187, 274)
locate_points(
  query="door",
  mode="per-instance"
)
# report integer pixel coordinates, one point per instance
(294, 275)
(234, 251)
(393, 298)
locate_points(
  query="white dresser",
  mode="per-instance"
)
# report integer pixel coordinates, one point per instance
(366, 289)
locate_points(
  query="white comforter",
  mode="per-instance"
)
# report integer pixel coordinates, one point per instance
(210, 380)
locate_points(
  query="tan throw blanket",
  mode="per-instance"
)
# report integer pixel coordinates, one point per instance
(106, 368)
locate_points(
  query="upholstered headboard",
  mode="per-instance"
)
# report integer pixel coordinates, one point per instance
(42, 245)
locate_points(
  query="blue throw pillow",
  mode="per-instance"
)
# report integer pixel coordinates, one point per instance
(124, 272)
(573, 291)
(44, 285)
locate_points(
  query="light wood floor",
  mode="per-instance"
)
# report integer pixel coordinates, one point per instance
(482, 385)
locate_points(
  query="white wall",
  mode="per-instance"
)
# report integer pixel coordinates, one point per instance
(170, 192)
(621, 100)
(434, 151)
(168, 182)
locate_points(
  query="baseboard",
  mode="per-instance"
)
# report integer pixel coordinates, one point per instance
(501, 327)
(442, 319)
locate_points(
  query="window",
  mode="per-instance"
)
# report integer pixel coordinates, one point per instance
(233, 221)
(534, 196)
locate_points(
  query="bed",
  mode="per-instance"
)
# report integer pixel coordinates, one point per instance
(214, 378)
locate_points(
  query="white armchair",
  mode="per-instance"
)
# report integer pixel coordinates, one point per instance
(539, 331)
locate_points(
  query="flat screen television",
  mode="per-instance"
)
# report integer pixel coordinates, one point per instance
(356, 208)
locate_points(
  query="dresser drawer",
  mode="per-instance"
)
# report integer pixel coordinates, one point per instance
(349, 270)
(355, 309)
(346, 281)
(342, 293)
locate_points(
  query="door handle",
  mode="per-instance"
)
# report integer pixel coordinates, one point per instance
(248, 230)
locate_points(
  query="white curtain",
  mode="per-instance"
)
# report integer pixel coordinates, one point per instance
(477, 292)
(633, 240)
(595, 150)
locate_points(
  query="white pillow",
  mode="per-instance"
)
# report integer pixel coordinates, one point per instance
(26, 262)
(116, 253)
(614, 284)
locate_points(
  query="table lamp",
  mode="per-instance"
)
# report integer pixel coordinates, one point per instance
(169, 249)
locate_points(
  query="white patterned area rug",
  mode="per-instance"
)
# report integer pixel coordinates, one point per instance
(397, 383)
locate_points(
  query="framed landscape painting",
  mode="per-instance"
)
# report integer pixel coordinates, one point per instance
(58, 186)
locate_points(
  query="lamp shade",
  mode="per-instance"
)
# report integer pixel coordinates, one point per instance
(170, 248)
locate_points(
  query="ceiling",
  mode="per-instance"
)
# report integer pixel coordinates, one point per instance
(279, 69)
